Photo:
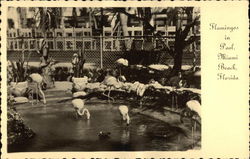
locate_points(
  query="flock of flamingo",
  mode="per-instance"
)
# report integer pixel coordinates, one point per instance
(110, 82)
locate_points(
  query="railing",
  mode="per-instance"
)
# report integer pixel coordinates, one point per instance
(93, 43)
(101, 51)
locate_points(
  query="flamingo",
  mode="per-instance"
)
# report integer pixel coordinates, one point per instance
(111, 81)
(37, 79)
(124, 112)
(75, 59)
(78, 104)
(122, 78)
(193, 106)
(122, 61)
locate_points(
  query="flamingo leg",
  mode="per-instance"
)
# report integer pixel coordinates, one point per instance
(192, 135)
(109, 93)
(40, 90)
(37, 94)
(108, 96)
(140, 103)
(32, 97)
(176, 101)
(172, 105)
(76, 115)
(194, 128)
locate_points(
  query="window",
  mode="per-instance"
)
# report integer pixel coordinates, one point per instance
(87, 45)
(15, 45)
(159, 44)
(59, 45)
(69, 45)
(20, 43)
(107, 45)
(11, 45)
(59, 34)
(49, 34)
(26, 45)
(79, 34)
(39, 34)
(86, 33)
(51, 45)
(69, 34)
(79, 44)
(137, 44)
(171, 34)
(130, 33)
(138, 33)
(32, 44)
(107, 34)
(122, 45)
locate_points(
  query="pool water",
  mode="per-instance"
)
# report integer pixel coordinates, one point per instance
(57, 129)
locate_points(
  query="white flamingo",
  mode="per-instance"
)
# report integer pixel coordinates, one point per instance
(194, 106)
(111, 81)
(122, 61)
(75, 60)
(78, 104)
(124, 112)
(38, 79)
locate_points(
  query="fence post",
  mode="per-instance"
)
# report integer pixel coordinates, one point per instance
(101, 51)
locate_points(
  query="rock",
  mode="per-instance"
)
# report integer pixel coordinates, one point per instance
(78, 94)
(79, 84)
(19, 88)
(19, 100)
(158, 67)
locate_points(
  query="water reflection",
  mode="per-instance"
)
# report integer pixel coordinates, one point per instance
(58, 130)
(125, 136)
(141, 129)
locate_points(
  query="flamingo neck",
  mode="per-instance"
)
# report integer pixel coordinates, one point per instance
(128, 119)
(87, 113)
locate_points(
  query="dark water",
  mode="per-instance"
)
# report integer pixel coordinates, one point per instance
(57, 130)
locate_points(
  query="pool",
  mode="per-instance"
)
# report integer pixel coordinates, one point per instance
(57, 130)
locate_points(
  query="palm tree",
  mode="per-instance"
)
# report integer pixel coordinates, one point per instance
(47, 19)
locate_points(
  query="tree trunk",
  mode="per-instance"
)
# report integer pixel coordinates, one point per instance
(179, 43)
(124, 23)
(177, 60)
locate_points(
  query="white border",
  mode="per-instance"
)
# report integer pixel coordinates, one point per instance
(232, 115)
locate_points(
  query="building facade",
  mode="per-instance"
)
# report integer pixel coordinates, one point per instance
(90, 29)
